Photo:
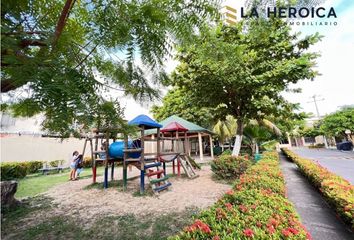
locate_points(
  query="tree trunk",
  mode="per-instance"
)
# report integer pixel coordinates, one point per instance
(238, 140)
(257, 148)
(8, 190)
(253, 146)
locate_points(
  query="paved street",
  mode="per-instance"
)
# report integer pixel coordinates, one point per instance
(316, 215)
(338, 162)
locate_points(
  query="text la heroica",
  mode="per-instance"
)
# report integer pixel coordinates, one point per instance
(291, 12)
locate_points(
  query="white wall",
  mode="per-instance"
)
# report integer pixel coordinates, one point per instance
(30, 148)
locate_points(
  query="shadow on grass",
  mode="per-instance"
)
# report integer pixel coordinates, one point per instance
(10, 217)
(146, 227)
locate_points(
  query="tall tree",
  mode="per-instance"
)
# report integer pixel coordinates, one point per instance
(65, 54)
(241, 70)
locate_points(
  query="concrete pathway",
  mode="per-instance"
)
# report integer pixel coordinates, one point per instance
(338, 162)
(316, 215)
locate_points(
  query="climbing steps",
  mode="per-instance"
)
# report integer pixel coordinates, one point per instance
(188, 168)
(157, 178)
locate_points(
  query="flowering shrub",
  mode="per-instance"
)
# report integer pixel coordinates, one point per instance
(338, 192)
(228, 167)
(256, 208)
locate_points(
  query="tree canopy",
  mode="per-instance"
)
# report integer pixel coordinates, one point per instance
(58, 57)
(337, 123)
(177, 102)
(241, 70)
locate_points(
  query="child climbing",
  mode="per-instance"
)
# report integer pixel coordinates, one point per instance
(73, 165)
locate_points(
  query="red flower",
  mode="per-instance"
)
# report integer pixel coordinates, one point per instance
(230, 192)
(272, 222)
(286, 233)
(216, 238)
(228, 206)
(271, 229)
(243, 208)
(293, 230)
(248, 232)
(198, 224)
(259, 224)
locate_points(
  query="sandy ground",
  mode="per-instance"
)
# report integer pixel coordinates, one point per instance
(89, 204)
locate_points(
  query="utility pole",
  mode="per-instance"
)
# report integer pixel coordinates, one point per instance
(315, 100)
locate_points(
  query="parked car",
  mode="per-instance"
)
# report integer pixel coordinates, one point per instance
(345, 146)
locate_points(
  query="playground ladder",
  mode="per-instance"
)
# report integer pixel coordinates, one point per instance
(159, 183)
(188, 168)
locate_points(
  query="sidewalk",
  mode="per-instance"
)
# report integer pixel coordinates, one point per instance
(316, 215)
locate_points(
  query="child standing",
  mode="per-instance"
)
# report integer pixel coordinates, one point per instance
(73, 165)
(79, 167)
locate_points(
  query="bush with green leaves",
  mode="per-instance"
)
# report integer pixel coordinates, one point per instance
(13, 170)
(226, 152)
(56, 163)
(229, 167)
(34, 166)
(87, 162)
(18, 170)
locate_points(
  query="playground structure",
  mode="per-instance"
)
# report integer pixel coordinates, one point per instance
(132, 152)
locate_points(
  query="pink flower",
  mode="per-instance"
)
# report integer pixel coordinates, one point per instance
(216, 238)
(248, 232)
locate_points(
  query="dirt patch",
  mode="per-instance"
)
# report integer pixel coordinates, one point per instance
(73, 198)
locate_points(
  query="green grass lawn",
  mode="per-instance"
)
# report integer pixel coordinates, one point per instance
(37, 183)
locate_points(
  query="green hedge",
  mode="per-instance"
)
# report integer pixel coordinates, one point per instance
(33, 166)
(18, 170)
(228, 167)
(10, 171)
(256, 208)
(338, 192)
